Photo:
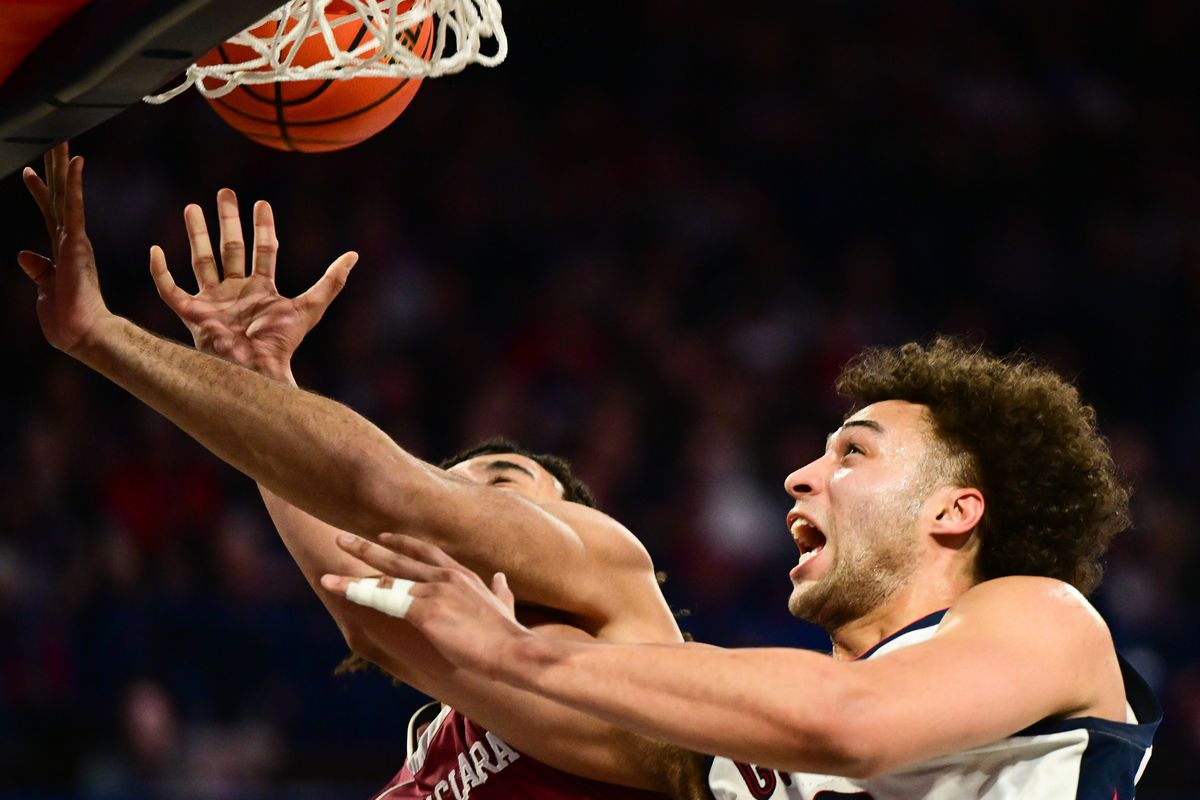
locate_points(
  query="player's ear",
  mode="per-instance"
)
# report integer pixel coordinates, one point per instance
(955, 510)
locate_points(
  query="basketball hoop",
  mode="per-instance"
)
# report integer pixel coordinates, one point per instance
(461, 25)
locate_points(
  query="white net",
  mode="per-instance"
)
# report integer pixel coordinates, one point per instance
(461, 26)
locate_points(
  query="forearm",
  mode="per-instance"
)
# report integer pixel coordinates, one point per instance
(562, 737)
(770, 707)
(310, 541)
(328, 461)
(311, 451)
(311, 544)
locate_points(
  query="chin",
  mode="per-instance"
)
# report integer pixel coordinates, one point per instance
(817, 599)
(798, 605)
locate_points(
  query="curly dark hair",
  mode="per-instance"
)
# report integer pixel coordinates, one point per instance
(1022, 436)
(573, 488)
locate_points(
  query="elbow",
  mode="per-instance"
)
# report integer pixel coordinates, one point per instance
(837, 753)
(359, 643)
(370, 645)
(861, 763)
(837, 750)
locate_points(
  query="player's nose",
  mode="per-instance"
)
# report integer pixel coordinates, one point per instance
(805, 481)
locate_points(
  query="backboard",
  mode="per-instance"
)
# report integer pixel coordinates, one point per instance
(69, 65)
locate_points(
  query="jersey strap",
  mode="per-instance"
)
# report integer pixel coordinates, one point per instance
(927, 621)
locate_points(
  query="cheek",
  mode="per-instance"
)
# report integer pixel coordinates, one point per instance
(853, 499)
(844, 501)
(542, 492)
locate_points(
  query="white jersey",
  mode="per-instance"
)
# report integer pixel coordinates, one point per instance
(1061, 759)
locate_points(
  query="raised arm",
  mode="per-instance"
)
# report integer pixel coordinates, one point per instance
(309, 450)
(238, 314)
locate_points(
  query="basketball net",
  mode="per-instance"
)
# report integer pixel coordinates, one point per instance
(461, 25)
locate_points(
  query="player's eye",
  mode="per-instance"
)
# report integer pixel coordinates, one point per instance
(852, 448)
(499, 480)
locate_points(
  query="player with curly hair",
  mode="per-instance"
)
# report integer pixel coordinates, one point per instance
(947, 538)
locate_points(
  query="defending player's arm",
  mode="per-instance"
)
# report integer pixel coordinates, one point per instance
(309, 450)
(985, 675)
(241, 316)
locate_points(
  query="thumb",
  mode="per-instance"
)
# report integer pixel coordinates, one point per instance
(318, 297)
(502, 592)
(171, 294)
(37, 268)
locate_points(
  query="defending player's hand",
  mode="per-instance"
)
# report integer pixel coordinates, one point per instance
(470, 624)
(238, 316)
(69, 304)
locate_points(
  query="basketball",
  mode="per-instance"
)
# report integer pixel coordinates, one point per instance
(317, 115)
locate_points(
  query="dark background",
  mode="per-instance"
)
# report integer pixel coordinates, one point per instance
(647, 242)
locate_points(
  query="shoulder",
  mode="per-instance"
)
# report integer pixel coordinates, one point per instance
(1009, 653)
(1027, 601)
(1047, 622)
(604, 537)
(623, 574)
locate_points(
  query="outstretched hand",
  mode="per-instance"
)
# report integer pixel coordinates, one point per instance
(69, 303)
(471, 624)
(238, 316)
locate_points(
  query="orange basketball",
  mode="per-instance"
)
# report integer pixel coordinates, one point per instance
(317, 115)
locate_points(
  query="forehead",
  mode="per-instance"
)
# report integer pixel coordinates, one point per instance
(500, 462)
(897, 420)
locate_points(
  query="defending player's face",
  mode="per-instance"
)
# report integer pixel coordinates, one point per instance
(856, 511)
(511, 472)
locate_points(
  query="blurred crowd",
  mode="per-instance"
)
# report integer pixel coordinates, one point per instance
(646, 242)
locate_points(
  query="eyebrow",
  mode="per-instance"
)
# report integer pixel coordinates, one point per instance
(501, 465)
(855, 423)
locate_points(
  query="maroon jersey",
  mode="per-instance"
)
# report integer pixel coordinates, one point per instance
(455, 759)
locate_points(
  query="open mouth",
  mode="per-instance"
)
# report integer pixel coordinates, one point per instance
(810, 540)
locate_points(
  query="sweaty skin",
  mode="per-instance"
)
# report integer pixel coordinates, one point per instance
(323, 469)
(984, 675)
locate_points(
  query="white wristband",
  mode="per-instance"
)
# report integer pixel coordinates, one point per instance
(393, 600)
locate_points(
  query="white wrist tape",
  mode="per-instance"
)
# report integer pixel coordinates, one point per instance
(393, 600)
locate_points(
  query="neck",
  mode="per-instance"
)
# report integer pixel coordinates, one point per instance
(919, 598)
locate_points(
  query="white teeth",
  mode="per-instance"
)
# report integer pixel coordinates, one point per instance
(798, 524)
(809, 556)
